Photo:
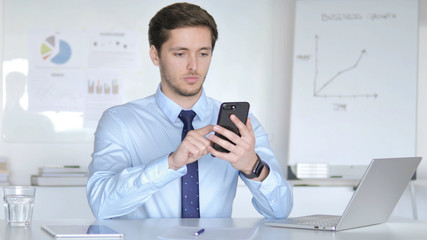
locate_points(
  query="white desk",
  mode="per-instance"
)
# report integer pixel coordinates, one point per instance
(397, 228)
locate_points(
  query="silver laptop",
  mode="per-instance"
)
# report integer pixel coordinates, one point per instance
(372, 203)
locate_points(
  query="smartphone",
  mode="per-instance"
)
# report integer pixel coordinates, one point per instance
(240, 109)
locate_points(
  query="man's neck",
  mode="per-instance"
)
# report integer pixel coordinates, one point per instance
(186, 102)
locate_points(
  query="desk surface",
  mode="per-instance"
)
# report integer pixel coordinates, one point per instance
(151, 228)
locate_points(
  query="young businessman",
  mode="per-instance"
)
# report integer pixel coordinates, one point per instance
(147, 160)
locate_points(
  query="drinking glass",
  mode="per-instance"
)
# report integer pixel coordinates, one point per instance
(18, 204)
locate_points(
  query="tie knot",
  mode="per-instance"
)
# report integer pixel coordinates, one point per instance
(187, 116)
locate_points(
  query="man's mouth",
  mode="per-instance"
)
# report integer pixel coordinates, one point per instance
(191, 79)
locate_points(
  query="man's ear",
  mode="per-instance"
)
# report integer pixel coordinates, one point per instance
(154, 55)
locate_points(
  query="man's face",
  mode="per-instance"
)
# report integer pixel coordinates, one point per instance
(184, 61)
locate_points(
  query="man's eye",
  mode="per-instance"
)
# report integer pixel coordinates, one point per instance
(179, 54)
(204, 54)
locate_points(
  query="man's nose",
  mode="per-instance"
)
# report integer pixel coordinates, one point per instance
(192, 63)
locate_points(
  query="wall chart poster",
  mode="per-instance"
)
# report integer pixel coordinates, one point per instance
(354, 81)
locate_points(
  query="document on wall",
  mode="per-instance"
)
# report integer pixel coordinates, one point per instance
(69, 67)
(73, 77)
(179, 233)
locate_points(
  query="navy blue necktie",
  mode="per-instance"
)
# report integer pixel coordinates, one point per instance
(190, 181)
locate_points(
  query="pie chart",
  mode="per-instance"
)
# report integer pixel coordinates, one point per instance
(55, 50)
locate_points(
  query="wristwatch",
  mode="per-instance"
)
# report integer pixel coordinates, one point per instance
(256, 171)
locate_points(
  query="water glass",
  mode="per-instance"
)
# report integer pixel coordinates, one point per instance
(18, 204)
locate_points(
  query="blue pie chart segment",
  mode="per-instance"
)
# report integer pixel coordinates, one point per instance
(64, 53)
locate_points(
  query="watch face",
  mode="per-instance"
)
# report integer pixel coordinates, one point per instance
(258, 168)
(256, 172)
(259, 165)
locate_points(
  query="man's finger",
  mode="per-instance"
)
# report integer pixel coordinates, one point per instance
(239, 124)
(230, 135)
(204, 130)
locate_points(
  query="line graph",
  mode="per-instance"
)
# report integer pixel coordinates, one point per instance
(317, 90)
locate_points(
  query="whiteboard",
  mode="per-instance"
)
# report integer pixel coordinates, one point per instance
(61, 67)
(354, 81)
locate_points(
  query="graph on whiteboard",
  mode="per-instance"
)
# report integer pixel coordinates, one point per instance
(319, 85)
(354, 81)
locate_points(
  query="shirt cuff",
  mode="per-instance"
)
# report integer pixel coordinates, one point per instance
(159, 173)
(267, 186)
(269, 183)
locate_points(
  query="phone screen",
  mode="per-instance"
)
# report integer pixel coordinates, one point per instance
(240, 109)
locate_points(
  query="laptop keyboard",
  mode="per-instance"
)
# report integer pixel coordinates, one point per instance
(326, 221)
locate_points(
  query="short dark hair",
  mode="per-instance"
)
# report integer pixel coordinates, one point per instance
(179, 15)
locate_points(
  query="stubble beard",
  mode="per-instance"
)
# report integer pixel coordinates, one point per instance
(171, 82)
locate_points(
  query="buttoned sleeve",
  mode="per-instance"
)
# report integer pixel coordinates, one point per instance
(273, 197)
(116, 186)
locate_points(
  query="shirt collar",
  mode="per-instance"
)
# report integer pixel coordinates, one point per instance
(172, 110)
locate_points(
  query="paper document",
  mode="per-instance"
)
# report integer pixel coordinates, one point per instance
(209, 233)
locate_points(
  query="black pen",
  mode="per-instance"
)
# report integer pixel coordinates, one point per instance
(199, 232)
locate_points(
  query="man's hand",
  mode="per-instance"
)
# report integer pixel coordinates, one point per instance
(242, 155)
(193, 147)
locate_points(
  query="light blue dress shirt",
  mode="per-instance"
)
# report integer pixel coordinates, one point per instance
(130, 176)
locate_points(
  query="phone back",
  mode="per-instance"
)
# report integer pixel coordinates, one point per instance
(240, 109)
